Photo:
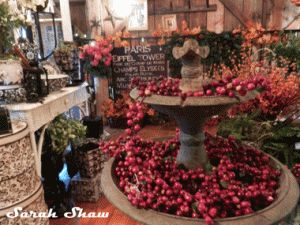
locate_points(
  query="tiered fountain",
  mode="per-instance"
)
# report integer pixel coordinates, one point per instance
(191, 115)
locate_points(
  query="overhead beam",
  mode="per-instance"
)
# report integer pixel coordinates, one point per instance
(186, 9)
(238, 13)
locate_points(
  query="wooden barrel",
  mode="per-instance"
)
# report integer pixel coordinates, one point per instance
(21, 191)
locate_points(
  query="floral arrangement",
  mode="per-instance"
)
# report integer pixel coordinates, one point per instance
(64, 131)
(119, 35)
(120, 107)
(256, 35)
(284, 96)
(97, 57)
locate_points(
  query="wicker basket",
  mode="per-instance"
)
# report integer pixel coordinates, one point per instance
(90, 158)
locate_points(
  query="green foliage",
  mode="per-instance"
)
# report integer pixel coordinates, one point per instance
(244, 127)
(174, 65)
(64, 131)
(8, 22)
(101, 70)
(6, 57)
(289, 50)
(281, 144)
(276, 140)
(223, 48)
(65, 48)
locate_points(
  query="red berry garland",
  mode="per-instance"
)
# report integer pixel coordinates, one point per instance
(225, 87)
(241, 182)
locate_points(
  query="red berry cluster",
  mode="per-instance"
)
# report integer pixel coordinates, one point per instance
(296, 2)
(229, 86)
(241, 182)
(134, 117)
(163, 86)
(225, 87)
(296, 172)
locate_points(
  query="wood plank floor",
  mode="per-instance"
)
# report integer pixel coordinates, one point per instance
(115, 216)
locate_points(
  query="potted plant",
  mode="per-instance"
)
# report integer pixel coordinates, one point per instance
(66, 56)
(64, 131)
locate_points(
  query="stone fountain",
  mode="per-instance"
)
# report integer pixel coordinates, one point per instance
(191, 115)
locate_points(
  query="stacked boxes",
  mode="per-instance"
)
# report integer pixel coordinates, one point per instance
(90, 163)
(86, 184)
(86, 189)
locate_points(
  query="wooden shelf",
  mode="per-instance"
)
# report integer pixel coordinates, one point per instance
(184, 10)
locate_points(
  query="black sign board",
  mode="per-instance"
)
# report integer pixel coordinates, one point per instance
(145, 62)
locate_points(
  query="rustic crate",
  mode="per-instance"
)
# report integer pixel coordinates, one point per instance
(86, 189)
(90, 162)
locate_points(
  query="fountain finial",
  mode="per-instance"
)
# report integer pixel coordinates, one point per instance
(191, 54)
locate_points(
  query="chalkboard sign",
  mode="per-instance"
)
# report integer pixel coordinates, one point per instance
(145, 62)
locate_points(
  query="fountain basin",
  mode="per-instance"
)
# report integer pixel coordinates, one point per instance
(191, 116)
(284, 205)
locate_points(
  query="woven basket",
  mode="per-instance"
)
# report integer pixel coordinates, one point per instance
(90, 158)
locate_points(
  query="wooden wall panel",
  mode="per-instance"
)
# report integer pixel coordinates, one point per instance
(230, 21)
(277, 14)
(198, 18)
(180, 4)
(151, 18)
(253, 10)
(78, 15)
(215, 20)
(229, 14)
(160, 5)
(266, 13)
